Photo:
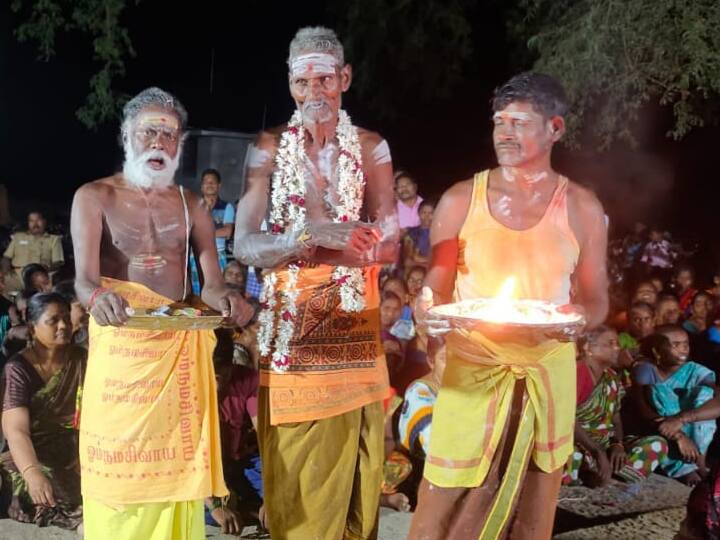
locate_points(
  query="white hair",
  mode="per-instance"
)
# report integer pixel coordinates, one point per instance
(316, 39)
(152, 96)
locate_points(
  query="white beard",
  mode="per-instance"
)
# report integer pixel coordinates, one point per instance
(137, 171)
(317, 111)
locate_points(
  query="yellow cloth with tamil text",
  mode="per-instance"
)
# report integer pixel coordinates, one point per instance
(149, 427)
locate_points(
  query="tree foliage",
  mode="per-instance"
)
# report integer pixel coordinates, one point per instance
(44, 20)
(613, 56)
(405, 49)
(616, 55)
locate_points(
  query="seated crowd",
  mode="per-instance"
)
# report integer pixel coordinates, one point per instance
(646, 380)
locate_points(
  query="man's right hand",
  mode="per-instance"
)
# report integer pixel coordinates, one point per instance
(354, 237)
(109, 309)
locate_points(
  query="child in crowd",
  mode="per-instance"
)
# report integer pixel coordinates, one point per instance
(399, 287)
(235, 274)
(416, 243)
(667, 310)
(700, 310)
(683, 284)
(391, 307)
(601, 449)
(646, 292)
(414, 282)
(668, 384)
(641, 323)
(36, 278)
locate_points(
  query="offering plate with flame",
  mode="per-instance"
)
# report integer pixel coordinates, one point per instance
(504, 311)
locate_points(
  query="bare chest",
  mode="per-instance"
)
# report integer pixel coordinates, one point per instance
(324, 198)
(135, 222)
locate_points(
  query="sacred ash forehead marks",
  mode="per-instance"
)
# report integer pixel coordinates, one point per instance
(313, 64)
(157, 119)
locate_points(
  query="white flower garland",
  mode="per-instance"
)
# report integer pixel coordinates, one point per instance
(288, 212)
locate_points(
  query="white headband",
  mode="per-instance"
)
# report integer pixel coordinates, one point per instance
(321, 63)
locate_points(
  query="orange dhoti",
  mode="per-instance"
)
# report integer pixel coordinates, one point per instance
(321, 422)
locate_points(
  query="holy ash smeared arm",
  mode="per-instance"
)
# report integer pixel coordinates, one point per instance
(252, 246)
(380, 198)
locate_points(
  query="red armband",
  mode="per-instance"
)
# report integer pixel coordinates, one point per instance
(94, 296)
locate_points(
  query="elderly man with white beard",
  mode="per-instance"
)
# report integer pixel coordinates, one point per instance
(149, 436)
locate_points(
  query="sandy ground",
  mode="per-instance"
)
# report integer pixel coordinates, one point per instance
(653, 509)
(393, 526)
(659, 525)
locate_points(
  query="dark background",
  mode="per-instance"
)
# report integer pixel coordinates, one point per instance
(47, 153)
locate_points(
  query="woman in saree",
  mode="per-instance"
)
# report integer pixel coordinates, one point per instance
(669, 385)
(601, 450)
(41, 391)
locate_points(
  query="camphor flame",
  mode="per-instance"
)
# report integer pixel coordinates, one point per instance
(501, 307)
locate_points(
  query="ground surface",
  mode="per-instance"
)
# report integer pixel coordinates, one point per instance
(654, 511)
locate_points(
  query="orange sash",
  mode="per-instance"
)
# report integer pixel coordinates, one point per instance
(337, 362)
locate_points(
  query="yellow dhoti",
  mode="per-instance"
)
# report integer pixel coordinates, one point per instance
(472, 410)
(149, 521)
(149, 428)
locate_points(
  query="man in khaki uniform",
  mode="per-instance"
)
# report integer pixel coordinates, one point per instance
(34, 246)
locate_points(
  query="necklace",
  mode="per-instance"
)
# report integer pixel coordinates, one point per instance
(288, 213)
(45, 370)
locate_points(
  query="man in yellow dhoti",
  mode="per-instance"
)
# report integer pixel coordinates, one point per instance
(149, 435)
(503, 421)
(318, 182)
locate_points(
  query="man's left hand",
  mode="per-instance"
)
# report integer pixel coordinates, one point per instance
(235, 308)
(572, 331)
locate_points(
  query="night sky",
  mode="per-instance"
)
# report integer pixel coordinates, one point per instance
(47, 153)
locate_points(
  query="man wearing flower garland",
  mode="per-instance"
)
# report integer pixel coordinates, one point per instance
(503, 422)
(325, 189)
